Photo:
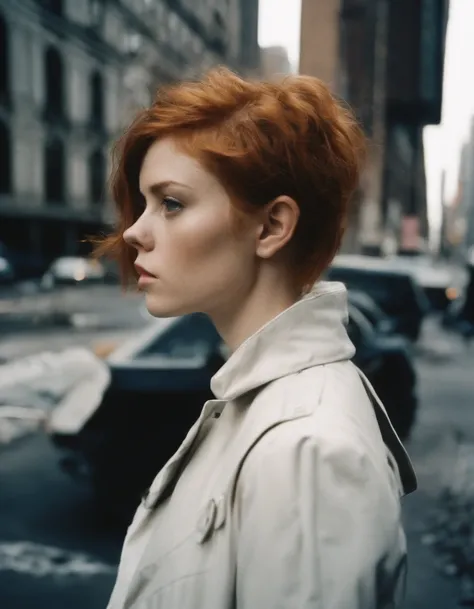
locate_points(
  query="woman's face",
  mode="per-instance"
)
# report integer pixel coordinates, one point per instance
(188, 257)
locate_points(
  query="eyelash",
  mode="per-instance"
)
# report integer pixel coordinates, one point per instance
(173, 201)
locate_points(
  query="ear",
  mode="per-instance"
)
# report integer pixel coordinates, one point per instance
(278, 223)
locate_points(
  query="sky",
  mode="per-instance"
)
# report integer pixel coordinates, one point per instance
(280, 23)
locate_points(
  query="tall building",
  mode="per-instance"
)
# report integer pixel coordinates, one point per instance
(275, 62)
(459, 229)
(71, 72)
(385, 57)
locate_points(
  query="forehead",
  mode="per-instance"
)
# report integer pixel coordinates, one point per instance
(164, 161)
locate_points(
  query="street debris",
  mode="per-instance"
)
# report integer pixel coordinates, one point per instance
(450, 531)
(59, 388)
(40, 560)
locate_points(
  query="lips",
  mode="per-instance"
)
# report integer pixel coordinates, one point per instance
(143, 272)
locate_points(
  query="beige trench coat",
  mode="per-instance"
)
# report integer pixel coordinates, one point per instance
(286, 492)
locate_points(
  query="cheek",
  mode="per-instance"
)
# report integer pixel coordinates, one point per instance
(205, 240)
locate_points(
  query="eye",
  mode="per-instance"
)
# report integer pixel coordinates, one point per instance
(171, 205)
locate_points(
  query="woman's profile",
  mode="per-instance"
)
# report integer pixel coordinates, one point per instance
(232, 198)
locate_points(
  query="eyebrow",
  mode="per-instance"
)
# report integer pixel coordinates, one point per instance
(158, 187)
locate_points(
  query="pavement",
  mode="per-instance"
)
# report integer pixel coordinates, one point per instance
(446, 415)
(56, 549)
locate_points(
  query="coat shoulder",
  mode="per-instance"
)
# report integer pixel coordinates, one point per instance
(326, 408)
(329, 391)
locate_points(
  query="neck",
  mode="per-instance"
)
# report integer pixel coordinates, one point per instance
(267, 298)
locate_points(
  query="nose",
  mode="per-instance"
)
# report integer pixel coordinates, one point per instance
(139, 236)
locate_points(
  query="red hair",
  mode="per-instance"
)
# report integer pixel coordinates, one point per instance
(262, 140)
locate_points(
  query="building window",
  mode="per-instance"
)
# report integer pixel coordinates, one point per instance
(4, 61)
(6, 156)
(54, 172)
(54, 83)
(97, 177)
(97, 100)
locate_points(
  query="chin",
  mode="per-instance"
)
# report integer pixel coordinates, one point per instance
(158, 308)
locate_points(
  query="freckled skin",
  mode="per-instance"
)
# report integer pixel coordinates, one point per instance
(184, 237)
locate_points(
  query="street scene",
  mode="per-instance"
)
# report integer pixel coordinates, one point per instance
(58, 543)
(96, 394)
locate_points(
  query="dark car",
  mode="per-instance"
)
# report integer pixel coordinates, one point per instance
(380, 321)
(24, 265)
(387, 361)
(440, 283)
(394, 290)
(159, 382)
(7, 275)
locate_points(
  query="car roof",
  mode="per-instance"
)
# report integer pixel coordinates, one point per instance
(142, 340)
(362, 263)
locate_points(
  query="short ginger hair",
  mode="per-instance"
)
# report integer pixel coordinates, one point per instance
(262, 140)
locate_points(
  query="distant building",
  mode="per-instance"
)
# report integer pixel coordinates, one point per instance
(385, 57)
(275, 61)
(459, 232)
(71, 72)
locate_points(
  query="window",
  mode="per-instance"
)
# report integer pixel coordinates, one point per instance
(4, 61)
(97, 99)
(54, 83)
(54, 172)
(96, 177)
(359, 328)
(6, 159)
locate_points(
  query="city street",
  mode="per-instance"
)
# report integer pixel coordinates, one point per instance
(26, 309)
(56, 549)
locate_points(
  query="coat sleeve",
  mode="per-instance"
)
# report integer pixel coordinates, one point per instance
(318, 527)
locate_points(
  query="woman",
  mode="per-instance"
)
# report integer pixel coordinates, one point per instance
(232, 198)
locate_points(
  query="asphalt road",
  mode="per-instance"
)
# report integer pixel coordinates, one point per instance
(25, 310)
(56, 551)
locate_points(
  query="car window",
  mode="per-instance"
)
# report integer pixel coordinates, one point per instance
(359, 328)
(191, 335)
(366, 305)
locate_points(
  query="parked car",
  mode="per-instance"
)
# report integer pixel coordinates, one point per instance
(387, 360)
(24, 265)
(73, 271)
(394, 290)
(381, 322)
(159, 383)
(7, 275)
(441, 283)
(459, 316)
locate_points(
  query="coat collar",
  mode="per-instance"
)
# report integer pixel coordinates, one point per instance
(309, 333)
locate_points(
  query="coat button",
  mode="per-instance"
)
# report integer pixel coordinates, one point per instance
(206, 521)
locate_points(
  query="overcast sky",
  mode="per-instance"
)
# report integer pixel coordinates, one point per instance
(280, 23)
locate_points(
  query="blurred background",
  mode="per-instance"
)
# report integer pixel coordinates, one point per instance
(94, 394)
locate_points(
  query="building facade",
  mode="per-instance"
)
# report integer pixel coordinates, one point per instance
(457, 231)
(275, 62)
(71, 74)
(385, 57)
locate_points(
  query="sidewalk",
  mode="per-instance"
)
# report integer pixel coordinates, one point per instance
(446, 415)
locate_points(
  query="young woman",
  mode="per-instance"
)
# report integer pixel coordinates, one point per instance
(232, 198)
